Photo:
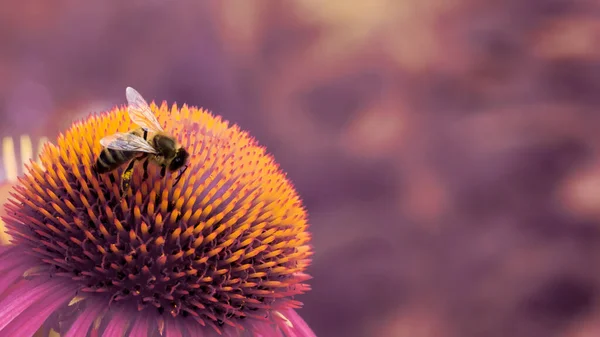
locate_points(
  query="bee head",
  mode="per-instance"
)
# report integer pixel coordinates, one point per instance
(181, 157)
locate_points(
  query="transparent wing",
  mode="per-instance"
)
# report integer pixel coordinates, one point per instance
(127, 142)
(140, 112)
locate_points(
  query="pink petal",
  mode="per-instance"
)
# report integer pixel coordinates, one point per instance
(229, 332)
(193, 328)
(44, 330)
(140, 327)
(116, 326)
(25, 296)
(4, 248)
(30, 320)
(8, 279)
(299, 327)
(13, 263)
(263, 328)
(173, 329)
(11, 257)
(83, 323)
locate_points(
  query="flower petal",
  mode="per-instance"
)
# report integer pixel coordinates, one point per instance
(262, 329)
(173, 329)
(23, 297)
(140, 327)
(116, 326)
(293, 325)
(11, 257)
(9, 278)
(193, 329)
(83, 323)
(12, 266)
(39, 303)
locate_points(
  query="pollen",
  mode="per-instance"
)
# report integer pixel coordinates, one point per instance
(228, 242)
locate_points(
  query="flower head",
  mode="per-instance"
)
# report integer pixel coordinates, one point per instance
(223, 251)
(11, 168)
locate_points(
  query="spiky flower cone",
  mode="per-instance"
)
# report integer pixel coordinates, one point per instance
(221, 252)
(12, 168)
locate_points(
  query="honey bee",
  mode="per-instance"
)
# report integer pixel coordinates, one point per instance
(159, 148)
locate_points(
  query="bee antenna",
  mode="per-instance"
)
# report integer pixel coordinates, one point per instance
(180, 174)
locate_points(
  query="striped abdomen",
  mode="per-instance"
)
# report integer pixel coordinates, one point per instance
(110, 159)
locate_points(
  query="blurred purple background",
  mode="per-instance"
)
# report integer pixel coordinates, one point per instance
(447, 151)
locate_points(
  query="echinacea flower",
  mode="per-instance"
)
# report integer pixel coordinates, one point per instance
(12, 168)
(222, 252)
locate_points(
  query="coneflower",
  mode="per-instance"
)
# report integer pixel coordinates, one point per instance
(13, 166)
(222, 252)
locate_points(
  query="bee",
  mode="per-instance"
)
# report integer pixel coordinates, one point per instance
(149, 143)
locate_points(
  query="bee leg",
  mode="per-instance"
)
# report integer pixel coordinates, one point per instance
(111, 178)
(180, 174)
(145, 134)
(126, 176)
(163, 171)
(145, 166)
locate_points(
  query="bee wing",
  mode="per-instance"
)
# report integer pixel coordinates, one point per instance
(140, 112)
(127, 142)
